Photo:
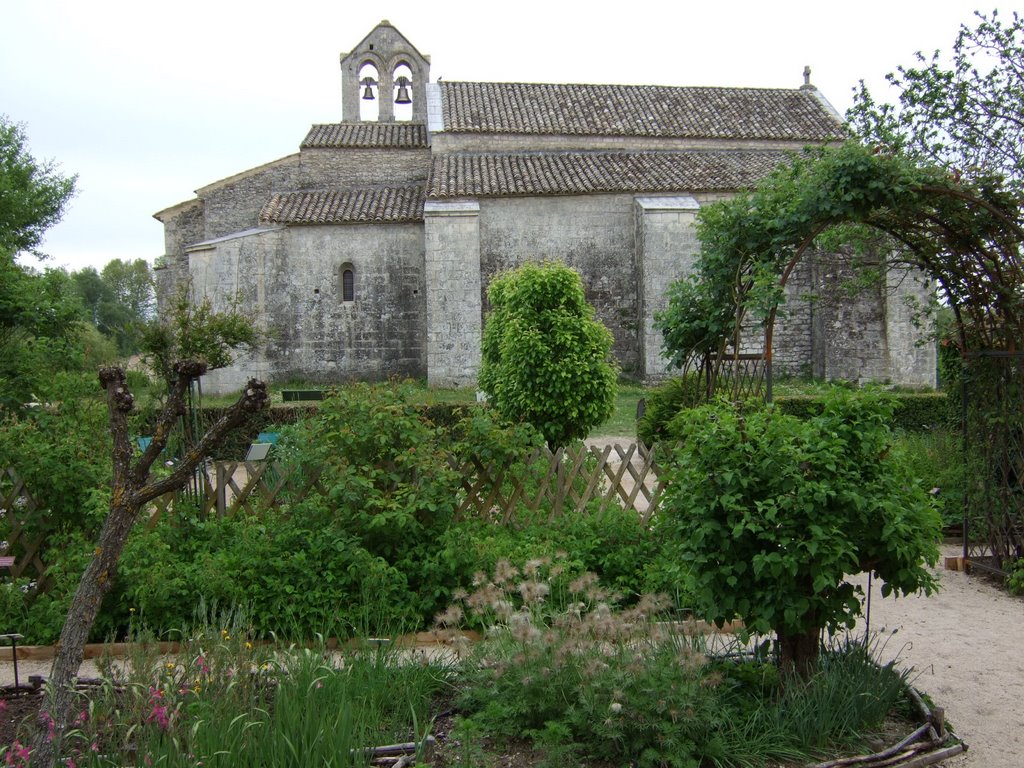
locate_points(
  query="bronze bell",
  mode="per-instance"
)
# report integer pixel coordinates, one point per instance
(403, 90)
(369, 82)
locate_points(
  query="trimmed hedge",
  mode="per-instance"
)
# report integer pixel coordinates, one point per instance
(915, 411)
(444, 415)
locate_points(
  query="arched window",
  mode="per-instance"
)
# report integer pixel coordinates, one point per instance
(369, 92)
(402, 91)
(348, 283)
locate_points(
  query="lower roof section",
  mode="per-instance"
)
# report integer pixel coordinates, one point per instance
(352, 206)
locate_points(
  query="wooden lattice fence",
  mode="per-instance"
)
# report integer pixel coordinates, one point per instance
(20, 526)
(582, 478)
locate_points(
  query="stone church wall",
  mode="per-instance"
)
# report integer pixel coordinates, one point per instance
(234, 204)
(793, 342)
(292, 280)
(331, 168)
(182, 227)
(593, 234)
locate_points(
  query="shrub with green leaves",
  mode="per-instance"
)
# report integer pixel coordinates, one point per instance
(589, 681)
(546, 358)
(773, 512)
(662, 404)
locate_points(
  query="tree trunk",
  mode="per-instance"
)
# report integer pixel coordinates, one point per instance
(95, 583)
(131, 489)
(798, 652)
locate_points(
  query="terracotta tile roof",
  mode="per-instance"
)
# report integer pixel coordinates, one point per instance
(637, 110)
(385, 204)
(570, 173)
(367, 135)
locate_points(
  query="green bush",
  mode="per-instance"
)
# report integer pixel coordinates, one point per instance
(296, 572)
(773, 512)
(913, 411)
(663, 403)
(546, 359)
(588, 681)
(1015, 581)
(935, 458)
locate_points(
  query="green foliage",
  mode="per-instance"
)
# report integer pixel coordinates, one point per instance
(61, 451)
(912, 412)
(1015, 580)
(563, 663)
(33, 194)
(664, 402)
(773, 512)
(119, 301)
(298, 572)
(224, 700)
(546, 358)
(41, 332)
(945, 225)
(935, 458)
(197, 332)
(964, 115)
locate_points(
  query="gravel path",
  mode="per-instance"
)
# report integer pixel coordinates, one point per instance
(964, 645)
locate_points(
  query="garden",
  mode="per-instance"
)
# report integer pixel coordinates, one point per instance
(589, 654)
(566, 630)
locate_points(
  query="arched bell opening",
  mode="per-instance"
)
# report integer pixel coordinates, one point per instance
(402, 91)
(369, 93)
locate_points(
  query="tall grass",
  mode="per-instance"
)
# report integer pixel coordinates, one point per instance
(225, 701)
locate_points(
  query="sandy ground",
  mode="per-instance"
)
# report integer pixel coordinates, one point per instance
(964, 645)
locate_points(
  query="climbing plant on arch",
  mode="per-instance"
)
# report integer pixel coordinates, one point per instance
(965, 235)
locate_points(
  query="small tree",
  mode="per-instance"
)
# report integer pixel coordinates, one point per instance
(964, 115)
(207, 338)
(773, 513)
(546, 358)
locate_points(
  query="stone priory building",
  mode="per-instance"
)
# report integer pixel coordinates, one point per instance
(367, 253)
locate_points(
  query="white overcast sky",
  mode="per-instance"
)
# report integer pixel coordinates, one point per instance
(149, 101)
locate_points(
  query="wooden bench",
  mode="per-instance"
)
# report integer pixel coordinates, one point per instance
(6, 561)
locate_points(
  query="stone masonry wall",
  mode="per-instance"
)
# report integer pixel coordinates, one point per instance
(182, 227)
(792, 342)
(291, 279)
(233, 205)
(913, 355)
(666, 247)
(334, 168)
(592, 234)
(452, 275)
(850, 341)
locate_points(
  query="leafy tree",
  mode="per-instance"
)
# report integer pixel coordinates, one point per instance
(964, 115)
(37, 313)
(40, 331)
(195, 331)
(119, 301)
(773, 512)
(207, 338)
(546, 358)
(33, 194)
